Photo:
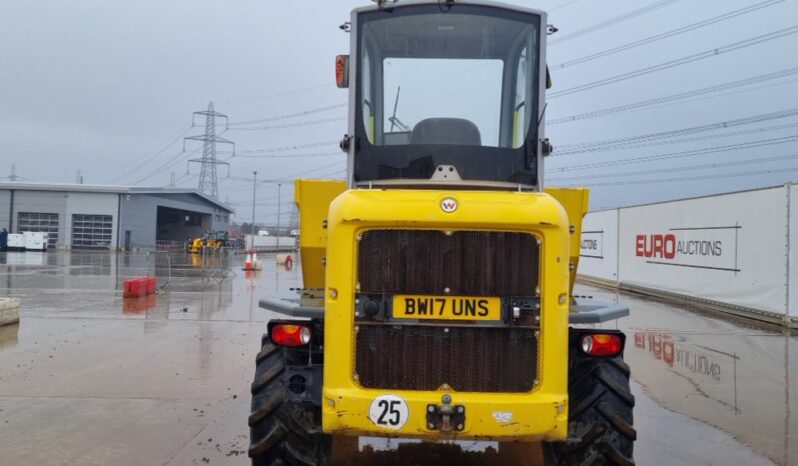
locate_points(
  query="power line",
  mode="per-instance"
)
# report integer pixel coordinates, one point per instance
(308, 145)
(612, 143)
(173, 163)
(289, 178)
(292, 125)
(727, 94)
(678, 62)
(675, 97)
(286, 116)
(241, 178)
(265, 204)
(274, 96)
(566, 4)
(282, 156)
(167, 145)
(306, 172)
(681, 154)
(742, 132)
(335, 174)
(279, 152)
(613, 21)
(637, 145)
(694, 178)
(668, 34)
(184, 176)
(166, 165)
(678, 169)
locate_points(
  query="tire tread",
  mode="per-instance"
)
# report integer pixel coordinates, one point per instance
(600, 423)
(282, 433)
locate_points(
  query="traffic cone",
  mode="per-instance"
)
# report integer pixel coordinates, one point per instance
(255, 262)
(248, 262)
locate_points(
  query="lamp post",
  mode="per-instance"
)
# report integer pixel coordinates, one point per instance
(279, 192)
(254, 185)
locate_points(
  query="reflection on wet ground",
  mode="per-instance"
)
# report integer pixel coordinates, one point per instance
(8, 336)
(165, 379)
(102, 380)
(736, 376)
(393, 453)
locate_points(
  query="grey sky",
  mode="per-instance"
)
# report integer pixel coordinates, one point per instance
(102, 86)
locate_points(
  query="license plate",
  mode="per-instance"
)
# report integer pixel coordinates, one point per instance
(446, 307)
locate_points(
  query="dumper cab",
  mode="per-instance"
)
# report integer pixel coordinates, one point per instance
(446, 98)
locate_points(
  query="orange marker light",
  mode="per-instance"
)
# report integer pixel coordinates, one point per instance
(342, 71)
(601, 344)
(290, 335)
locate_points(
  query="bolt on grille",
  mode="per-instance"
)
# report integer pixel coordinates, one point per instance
(470, 359)
(468, 263)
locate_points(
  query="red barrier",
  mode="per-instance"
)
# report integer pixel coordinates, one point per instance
(134, 288)
(138, 287)
(152, 285)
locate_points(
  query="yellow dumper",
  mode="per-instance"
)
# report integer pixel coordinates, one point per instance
(438, 300)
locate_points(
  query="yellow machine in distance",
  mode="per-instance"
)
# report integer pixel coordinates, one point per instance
(438, 300)
(210, 239)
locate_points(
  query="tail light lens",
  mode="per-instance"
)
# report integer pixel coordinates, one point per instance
(602, 344)
(342, 71)
(290, 335)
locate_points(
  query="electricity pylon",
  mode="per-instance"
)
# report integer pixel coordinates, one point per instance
(208, 183)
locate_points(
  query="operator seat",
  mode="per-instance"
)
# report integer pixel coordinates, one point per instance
(446, 131)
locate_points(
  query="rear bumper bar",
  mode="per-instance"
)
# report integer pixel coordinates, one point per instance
(488, 416)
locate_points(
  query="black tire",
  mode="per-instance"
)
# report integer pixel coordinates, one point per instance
(281, 432)
(600, 424)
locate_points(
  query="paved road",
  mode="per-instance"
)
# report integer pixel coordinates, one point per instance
(88, 379)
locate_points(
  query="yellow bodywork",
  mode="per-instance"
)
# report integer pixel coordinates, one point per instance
(575, 201)
(196, 245)
(540, 414)
(313, 198)
(333, 217)
(214, 243)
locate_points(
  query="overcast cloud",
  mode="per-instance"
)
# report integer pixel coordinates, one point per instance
(103, 86)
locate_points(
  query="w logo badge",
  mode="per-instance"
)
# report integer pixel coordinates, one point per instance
(448, 205)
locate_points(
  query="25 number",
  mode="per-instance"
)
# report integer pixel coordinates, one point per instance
(389, 407)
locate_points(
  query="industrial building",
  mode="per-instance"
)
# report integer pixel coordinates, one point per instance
(78, 216)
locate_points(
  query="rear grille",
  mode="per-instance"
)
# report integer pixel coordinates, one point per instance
(471, 359)
(468, 263)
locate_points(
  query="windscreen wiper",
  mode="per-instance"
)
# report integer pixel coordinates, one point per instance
(393, 119)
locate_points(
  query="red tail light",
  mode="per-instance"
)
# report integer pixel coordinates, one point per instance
(290, 335)
(602, 344)
(342, 71)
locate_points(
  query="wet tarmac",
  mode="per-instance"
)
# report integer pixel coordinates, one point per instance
(736, 376)
(91, 379)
